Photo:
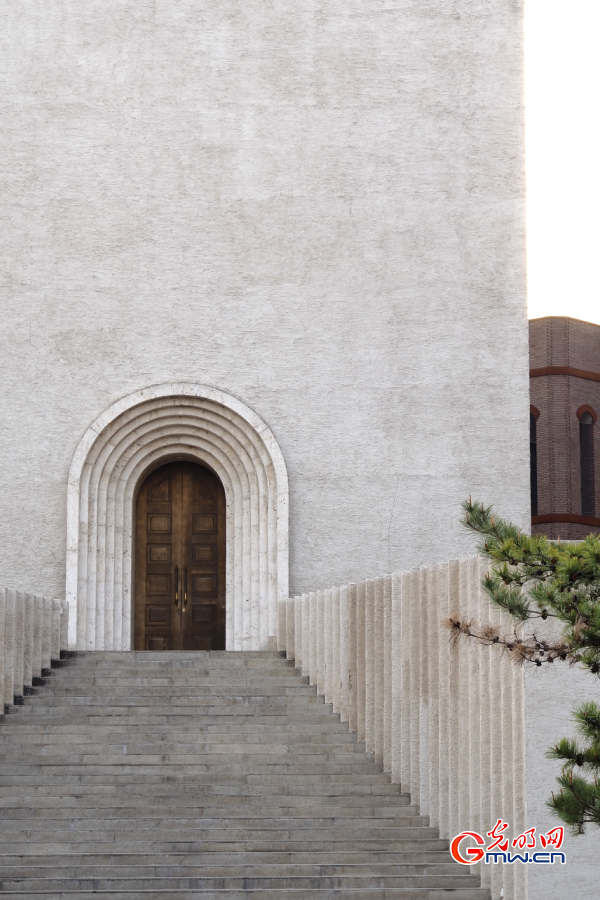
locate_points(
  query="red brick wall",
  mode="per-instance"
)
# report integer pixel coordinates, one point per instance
(560, 341)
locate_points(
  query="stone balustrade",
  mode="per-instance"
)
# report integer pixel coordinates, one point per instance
(445, 720)
(33, 631)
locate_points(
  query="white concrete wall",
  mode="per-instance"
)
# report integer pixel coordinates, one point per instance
(551, 694)
(316, 207)
(446, 721)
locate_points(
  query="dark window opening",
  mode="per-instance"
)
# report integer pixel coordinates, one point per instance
(533, 463)
(586, 446)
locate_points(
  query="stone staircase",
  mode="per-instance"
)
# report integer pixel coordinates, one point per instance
(221, 775)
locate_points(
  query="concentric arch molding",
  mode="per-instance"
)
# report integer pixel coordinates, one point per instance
(129, 439)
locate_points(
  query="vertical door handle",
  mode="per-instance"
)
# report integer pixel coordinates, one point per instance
(176, 587)
(184, 588)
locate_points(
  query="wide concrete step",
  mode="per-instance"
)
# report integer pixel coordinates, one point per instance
(329, 745)
(286, 698)
(92, 789)
(331, 860)
(47, 809)
(299, 804)
(229, 775)
(322, 862)
(305, 787)
(166, 721)
(50, 813)
(222, 687)
(70, 868)
(156, 719)
(265, 894)
(215, 831)
(135, 718)
(161, 817)
(182, 679)
(225, 725)
(205, 750)
(170, 706)
(258, 693)
(119, 733)
(290, 882)
(249, 756)
(177, 657)
(191, 738)
(71, 844)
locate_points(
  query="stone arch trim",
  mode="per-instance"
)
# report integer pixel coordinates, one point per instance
(589, 409)
(116, 452)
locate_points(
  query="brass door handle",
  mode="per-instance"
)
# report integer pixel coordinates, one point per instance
(176, 587)
(184, 588)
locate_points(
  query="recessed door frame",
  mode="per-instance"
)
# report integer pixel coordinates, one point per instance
(183, 588)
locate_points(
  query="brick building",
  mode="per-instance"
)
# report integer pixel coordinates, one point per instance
(565, 447)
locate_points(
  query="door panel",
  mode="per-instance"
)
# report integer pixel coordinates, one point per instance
(180, 560)
(204, 554)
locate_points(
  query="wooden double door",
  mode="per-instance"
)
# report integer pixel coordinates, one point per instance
(180, 560)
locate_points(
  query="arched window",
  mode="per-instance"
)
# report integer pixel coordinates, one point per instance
(587, 419)
(533, 417)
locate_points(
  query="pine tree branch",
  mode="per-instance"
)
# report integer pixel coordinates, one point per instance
(533, 578)
(530, 648)
(577, 803)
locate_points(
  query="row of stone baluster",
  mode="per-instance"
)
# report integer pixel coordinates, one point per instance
(33, 631)
(445, 719)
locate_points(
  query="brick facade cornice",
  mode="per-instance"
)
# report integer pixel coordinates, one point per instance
(564, 370)
(548, 518)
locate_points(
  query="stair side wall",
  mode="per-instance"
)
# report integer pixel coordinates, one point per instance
(454, 711)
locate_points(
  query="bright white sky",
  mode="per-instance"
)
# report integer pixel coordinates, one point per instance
(562, 84)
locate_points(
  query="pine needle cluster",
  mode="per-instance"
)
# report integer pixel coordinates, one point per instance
(532, 578)
(578, 802)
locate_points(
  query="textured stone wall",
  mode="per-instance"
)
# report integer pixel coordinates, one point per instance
(316, 207)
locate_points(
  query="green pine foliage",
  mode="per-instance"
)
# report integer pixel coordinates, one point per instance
(532, 578)
(578, 802)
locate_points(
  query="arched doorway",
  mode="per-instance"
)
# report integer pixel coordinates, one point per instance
(180, 560)
(136, 433)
